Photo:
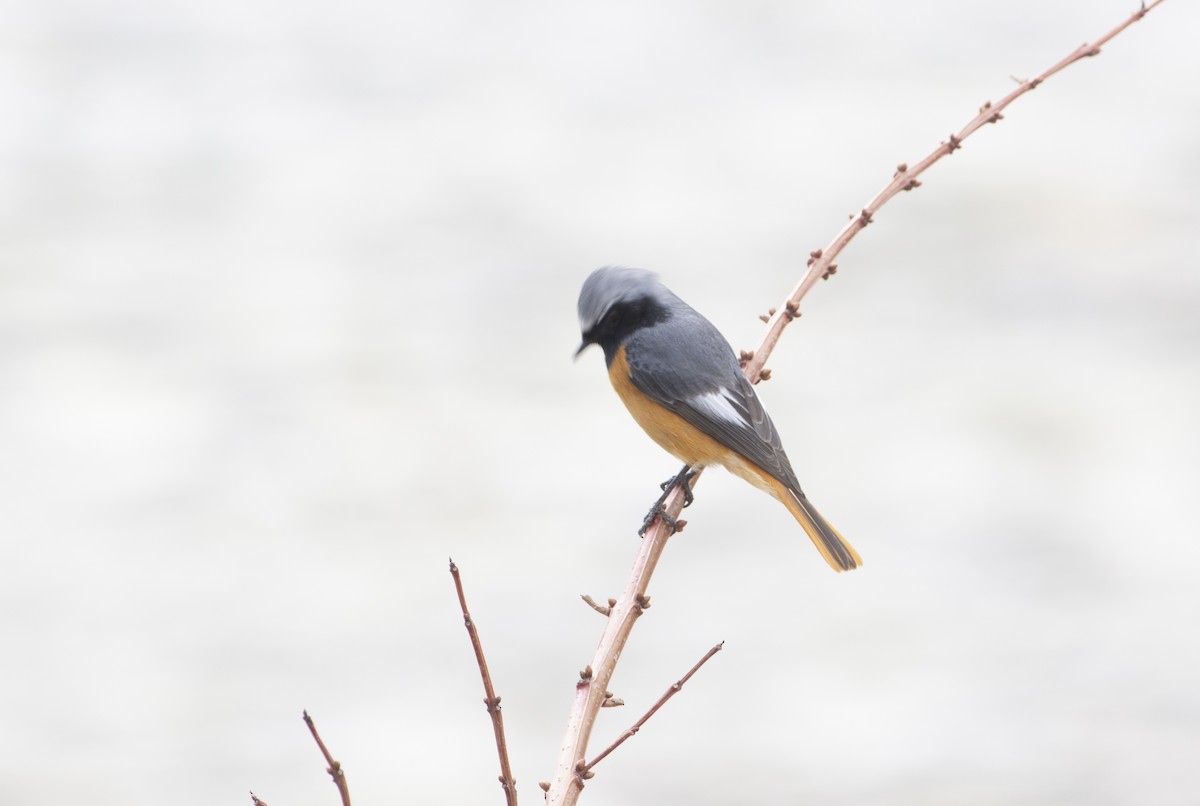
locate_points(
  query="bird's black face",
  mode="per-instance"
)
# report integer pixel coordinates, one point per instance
(619, 322)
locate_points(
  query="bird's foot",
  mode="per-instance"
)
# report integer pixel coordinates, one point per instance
(659, 510)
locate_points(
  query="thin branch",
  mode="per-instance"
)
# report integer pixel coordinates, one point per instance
(335, 767)
(820, 262)
(668, 694)
(568, 779)
(592, 688)
(507, 782)
(599, 608)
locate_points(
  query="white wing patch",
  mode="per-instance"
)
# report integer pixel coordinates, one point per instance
(719, 406)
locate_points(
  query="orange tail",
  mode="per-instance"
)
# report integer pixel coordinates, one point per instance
(840, 555)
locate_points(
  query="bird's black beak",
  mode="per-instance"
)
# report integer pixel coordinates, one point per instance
(588, 341)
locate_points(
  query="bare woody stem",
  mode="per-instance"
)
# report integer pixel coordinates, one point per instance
(507, 782)
(334, 769)
(592, 688)
(820, 263)
(675, 688)
(572, 769)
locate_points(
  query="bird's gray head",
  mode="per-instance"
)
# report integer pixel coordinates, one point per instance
(615, 301)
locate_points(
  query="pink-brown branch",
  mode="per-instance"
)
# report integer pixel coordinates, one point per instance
(334, 769)
(592, 688)
(820, 263)
(507, 782)
(675, 688)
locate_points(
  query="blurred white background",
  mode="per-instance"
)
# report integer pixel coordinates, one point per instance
(286, 318)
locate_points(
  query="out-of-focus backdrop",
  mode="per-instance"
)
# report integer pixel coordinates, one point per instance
(286, 319)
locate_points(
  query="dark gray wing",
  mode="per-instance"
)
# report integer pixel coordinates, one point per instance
(689, 368)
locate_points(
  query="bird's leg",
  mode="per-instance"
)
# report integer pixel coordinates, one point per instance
(659, 509)
(684, 480)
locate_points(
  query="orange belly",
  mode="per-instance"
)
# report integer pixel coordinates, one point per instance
(680, 438)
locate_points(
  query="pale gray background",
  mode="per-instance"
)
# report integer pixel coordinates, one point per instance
(286, 314)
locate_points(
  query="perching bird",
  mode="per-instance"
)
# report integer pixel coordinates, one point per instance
(681, 381)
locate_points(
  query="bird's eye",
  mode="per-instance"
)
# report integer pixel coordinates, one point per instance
(611, 319)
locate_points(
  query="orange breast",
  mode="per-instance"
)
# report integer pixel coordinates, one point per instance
(679, 437)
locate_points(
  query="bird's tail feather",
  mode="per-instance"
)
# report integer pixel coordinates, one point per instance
(840, 555)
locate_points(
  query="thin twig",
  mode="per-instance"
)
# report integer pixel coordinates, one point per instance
(507, 782)
(599, 608)
(820, 262)
(335, 767)
(668, 694)
(568, 781)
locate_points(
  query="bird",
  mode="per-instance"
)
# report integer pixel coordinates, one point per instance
(681, 381)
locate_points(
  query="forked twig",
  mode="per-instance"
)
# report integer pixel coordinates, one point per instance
(568, 778)
(599, 608)
(591, 691)
(335, 767)
(507, 782)
(668, 694)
